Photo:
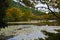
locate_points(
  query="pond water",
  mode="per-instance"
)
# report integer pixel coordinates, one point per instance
(27, 32)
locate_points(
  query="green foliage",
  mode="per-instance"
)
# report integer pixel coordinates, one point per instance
(33, 14)
(27, 14)
(26, 2)
(17, 5)
(37, 12)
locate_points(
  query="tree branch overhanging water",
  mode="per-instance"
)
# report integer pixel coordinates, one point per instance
(50, 9)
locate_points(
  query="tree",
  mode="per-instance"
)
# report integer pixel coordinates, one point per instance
(27, 14)
(27, 3)
(3, 6)
(14, 14)
(53, 3)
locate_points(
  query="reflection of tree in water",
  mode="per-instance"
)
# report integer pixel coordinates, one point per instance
(51, 36)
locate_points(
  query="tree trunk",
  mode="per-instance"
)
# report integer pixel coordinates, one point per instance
(3, 7)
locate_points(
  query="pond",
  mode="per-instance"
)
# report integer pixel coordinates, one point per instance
(27, 32)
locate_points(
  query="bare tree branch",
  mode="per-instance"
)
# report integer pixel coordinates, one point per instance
(50, 9)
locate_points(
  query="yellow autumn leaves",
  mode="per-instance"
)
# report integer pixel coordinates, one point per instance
(13, 14)
(17, 14)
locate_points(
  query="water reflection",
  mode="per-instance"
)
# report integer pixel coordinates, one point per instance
(31, 32)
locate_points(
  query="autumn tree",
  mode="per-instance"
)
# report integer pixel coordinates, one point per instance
(14, 14)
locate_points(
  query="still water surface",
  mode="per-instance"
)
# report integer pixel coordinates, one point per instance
(27, 32)
(30, 32)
